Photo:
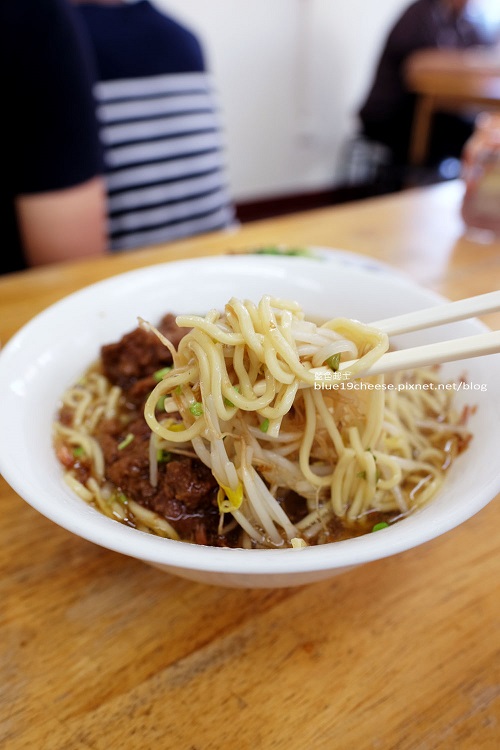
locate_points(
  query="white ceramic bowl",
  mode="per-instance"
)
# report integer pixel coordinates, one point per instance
(51, 351)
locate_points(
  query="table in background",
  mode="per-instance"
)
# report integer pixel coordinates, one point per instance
(456, 80)
(100, 651)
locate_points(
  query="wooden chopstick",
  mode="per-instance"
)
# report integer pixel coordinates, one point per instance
(443, 351)
(448, 312)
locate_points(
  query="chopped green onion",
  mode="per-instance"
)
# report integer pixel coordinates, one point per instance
(78, 452)
(229, 403)
(124, 443)
(333, 362)
(264, 426)
(160, 404)
(277, 250)
(379, 526)
(163, 457)
(160, 374)
(271, 250)
(122, 498)
(361, 475)
(196, 409)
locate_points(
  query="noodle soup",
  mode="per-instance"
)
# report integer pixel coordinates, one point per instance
(254, 427)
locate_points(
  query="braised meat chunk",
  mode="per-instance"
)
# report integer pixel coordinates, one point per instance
(183, 490)
(140, 353)
(185, 493)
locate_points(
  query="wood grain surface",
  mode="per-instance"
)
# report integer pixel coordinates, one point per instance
(99, 651)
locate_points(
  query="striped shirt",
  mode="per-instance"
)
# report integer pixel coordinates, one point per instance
(162, 138)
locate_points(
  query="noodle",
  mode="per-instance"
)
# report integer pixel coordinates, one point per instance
(275, 404)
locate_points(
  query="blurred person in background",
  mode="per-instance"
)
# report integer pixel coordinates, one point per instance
(54, 200)
(163, 146)
(387, 113)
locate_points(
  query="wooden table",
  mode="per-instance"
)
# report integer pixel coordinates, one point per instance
(454, 80)
(99, 651)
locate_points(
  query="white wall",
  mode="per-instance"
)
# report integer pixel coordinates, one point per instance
(290, 75)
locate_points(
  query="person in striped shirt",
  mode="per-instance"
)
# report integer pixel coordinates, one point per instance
(159, 125)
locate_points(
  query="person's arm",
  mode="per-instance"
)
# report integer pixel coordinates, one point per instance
(64, 224)
(55, 173)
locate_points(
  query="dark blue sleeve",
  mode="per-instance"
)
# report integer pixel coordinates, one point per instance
(52, 129)
(138, 40)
